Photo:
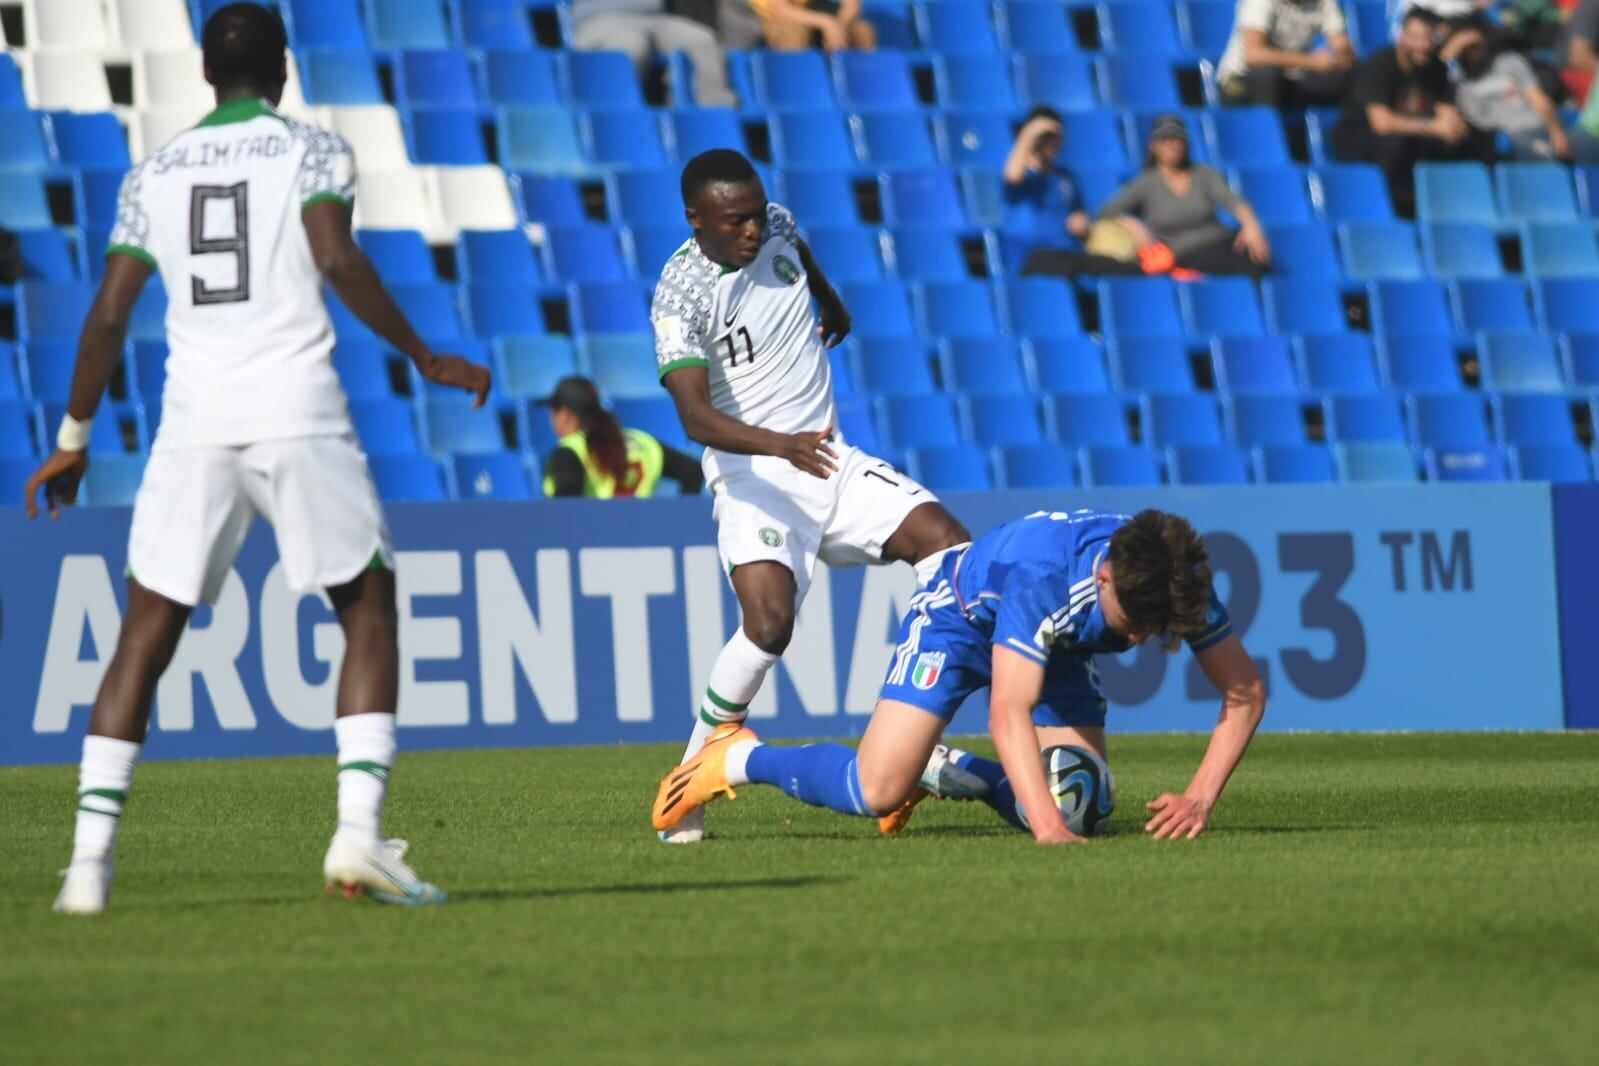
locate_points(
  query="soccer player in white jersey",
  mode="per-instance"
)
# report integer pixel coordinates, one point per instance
(744, 357)
(245, 216)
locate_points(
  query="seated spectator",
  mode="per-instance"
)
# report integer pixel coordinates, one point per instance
(1578, 48)
(1499, 93)
(643, 29)
(1401, 110)
(1041, 206)
(595, 456)
(1173, 203)
(796, 25)
(1272, 59)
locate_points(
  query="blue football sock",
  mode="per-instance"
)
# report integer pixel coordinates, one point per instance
(823, 775)
(1000, 796)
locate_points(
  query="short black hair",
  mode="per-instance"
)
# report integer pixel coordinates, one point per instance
(244, 45)
(1041, 111)
(719, 165)
(1420, 14)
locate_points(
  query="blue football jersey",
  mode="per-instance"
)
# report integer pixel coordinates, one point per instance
(1029, 586)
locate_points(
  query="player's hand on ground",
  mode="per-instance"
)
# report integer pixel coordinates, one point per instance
(1176, 817)
(812, 452)
(1057, 834)
(456, 372)
(835, 322)
(59, 476)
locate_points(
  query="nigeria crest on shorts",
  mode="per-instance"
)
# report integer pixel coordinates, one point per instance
(929, 667)
(785, 270)
(771, 537)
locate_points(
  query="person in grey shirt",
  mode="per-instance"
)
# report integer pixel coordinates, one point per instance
(644, 29)
(1498, 92)
(1174, 202)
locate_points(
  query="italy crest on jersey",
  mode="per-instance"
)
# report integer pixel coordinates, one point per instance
(785, 270)
(929, 667)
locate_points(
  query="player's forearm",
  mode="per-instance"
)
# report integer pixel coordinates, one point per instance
(1240, 717)
(99, 352)
(712, 428)
(1011, 726)
(355, 280)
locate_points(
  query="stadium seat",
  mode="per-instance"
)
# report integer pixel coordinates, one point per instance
(1455, 192)
(1419, 362)
(339, 77)
(69, 81)
(1277, 193)
(1379, 250)
(1182, 419)
(499, 308)
(1319, 123)
(1586, 176)
(149, 375)
(1039, 466)
(811, 139)
(1066, 364)
(548, 201)
(1408, 307)
(90, 140)
(1533, 418)
(1085, 418)
(650, 197)
(892, 366)
(1040, 307)
(17, 435)
(958, 28)
(1207, 464)
(1518, 362)
(52, 309)
(1063, 80)
(23, 201)
(956, 309)
(1465, 464)
(847, 253)
(401, 256)
(454, 425)
(1559, 249)
(1303, 251)
(22, 142)
(612, 307)
(113, 480)
(1567, 305)
(12, 385)
(539, 139)
(982, 366)
(1375, 461)
(1139, 307)
(893, 140)
(1298, 305)
(1035, 26)
(1220, 307)
(527, 368)
(1147, 364)
(496, 476)
(921, 198)
(49, 363)
(1579, 355)
(406, 24)
(1243, 136)
(622, 365)
(1144, 82)
(974, 81)
(407, 478)
(921, 253)
(434, 78)
(375, 135)
(1350, 192)
(1363, 417)
(583, 253)
(1255, 420)
(792, 81)
(1565, 462)
(1449, 420)
(1460, 250)
(498, 256)
(473, 197)
(397, 199)
(363, 368)
(1535, 192)
(993, 421)
(601, 80)
(622, 138)
(1489, 303)
(918, 421)
(1282, 464)
(655, 415)
(982, 189)
(874, 80)
(1109, 465)
(12, 94)
(48, 254)
(495, 24)
(1206, 26)
(879, 309)
(820, 197)
(950, 468)
(1253, 364)
(105, 435)
(692, 131)
(522, 79)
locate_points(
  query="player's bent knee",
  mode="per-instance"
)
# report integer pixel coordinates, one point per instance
(883, 788)
(770, 628)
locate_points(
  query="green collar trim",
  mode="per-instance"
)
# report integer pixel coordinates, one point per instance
(242, 109)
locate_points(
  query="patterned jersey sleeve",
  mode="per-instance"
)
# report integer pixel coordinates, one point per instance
(780, 223)
(131, 234)
(681, 316)
(1035, 610)
(1218, 626)
(328, 170)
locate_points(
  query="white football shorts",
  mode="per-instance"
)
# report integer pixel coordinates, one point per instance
(195, 506)
(768, 511)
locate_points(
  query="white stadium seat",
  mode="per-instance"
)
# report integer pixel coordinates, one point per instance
(172, 79)
(69, 81)
(475, 198)
(373, 132)
(78, 25)
(399, 199)
(155, 23)
(150, 130)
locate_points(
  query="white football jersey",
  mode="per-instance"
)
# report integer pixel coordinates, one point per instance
(752, 328)
(217, 212)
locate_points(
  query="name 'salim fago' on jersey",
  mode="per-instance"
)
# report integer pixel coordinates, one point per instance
(218, 153)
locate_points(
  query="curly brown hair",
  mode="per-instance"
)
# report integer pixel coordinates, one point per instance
(1162, 576)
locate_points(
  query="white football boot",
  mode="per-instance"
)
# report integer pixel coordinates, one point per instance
(379, 870)
(87, 888)
(944, 779)
(691, 830)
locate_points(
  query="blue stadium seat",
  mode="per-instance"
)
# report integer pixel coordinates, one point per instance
(647, 248)
(324, 23)
(363, 367)
(1147, 83)
(879, 309)
(893, 21)
(1295, 464)
(1335, 363)
(1466, 464)
(1559, 249)
(439, 77)
(1567, 305)
(539, 139)
(651, 197)
(1363, 417)
(385, 426)
(1067, 364)
(622, 138)
(694, 130)
(1303, 305)
(1460, 250)
(1244, 136)
(894, 140)
(1533, 418)
(1586, 176)
(1277, 193)
(495, 24)
(15, 470)
(792, 81)
(1303, 251)
(400, 255)
(52, 308)
(994, 421)
(956, 309)
(1565, 462)
(1375, 461)
(11, 381)
(1450, 419)
(1535, 192)
(1407, 307)
(1182, 419)
(622, 364)
(1489, 303)
(959, 28)
(1579, 355)
(583, 253)
(926, 254)
(1207, 464)
(529, 367)
(1379, 250)
(847, 253)
(445, 137)
(17, 436)
(1086, 418)
(811, 139)
(657, 416)
(1455, 192)
(407, 24)
(1041, 307)
(1110, 465)
(431, 309)
(820, 197)
(874, 80)
(1206, 26)
(1064, 80)
(148, 322)
(48, 363)
(548, 201)
(23, 202)
(492, 476)
(11, 91)
(113, 480)
(1139, 307)
(1091, 139)
(22, 141)
(950, 468)
(1151, 364)
(983, 366)
(454, 425)
(892, 366)
(609, 307)
(918, 421)
(499, 308)
(601, 80)
(148, 376)
(90, 140)
(48, 254)
(535, 437)
(407, 478)
(501, 256)
(982, 189)
(1139, 26)
(1319, 122)
(921, 198)
(1371, 25)
(1037, 466)
(1518, 362)
(1418, 362)
(1220, 307)
(974, 81)
(339, 77)
(522, 79)
(1264, 420)
(1035, 26)
(1350, 192)
(1258, 365)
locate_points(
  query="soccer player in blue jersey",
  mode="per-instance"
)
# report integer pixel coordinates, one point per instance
(1022, 612)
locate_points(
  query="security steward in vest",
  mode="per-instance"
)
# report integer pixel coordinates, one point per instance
(595, 456)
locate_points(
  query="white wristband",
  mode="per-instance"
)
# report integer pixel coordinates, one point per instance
(73, 436)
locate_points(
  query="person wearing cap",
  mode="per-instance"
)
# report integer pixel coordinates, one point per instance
(595, 456)
(1173, 203)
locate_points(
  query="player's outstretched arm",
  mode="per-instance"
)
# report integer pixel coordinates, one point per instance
(1231, 670)
(346, 268)
(690, 387)
(99, 351)
(835, 320)
(1017, 684)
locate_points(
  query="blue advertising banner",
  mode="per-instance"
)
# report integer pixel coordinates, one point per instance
(1576, 527)
(595, 622)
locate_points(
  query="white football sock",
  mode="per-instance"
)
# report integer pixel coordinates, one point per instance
(104, 777)
(366, 756)
(738, 760)
(736, 677)
(928, 567)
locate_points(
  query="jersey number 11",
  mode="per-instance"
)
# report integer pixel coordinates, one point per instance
(238, 245)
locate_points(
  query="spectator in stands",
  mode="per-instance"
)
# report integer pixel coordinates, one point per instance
(1272, 59)
(643, 29)
(1498, 92)
(1401, 110)
(795, 25)
(1042, 211)
(1173, 203)
(595, 456)
(1578, 48)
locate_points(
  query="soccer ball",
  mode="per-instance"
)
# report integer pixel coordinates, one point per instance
(1083, 787)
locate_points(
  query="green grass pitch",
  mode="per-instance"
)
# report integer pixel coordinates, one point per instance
(1405, 899)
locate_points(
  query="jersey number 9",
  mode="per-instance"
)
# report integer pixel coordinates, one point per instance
(238, 198)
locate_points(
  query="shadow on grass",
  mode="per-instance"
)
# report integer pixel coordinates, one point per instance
(642, 888)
